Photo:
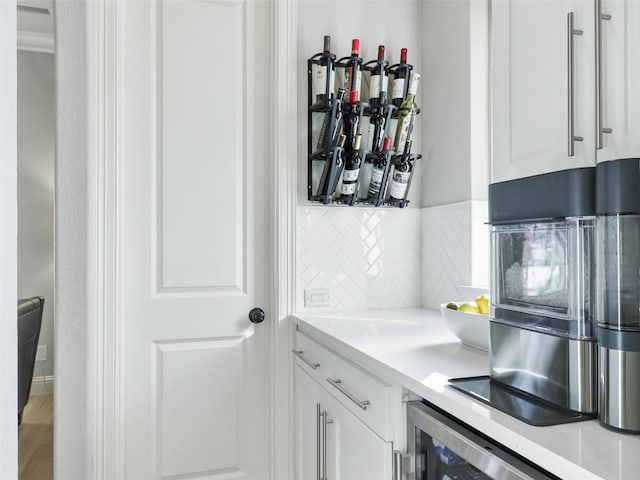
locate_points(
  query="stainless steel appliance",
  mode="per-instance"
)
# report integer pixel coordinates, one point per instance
(542, 337)
(541, 330)
(618, 293)
(441, 448)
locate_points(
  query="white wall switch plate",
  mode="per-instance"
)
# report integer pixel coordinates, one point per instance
(317, 297)
(41, 353)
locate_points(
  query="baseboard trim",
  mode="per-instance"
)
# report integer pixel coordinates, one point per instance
(42, 385)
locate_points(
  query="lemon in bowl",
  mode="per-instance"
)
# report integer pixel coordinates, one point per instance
(467, 323)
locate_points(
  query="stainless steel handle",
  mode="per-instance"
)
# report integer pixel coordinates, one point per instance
(324, 445)
(318, 441)
(298, 353)
(570, 93)
(600, 130)
(324, 420)
(337, 383)
(397, 465)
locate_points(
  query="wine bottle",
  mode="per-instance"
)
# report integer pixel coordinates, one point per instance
(378, 81)
(325, 69)
(351, 172)
(399, 79)
(353, 71)
(352, 122)
(332, 124)
(331, 172)
(377, 173)
(406, 115)
(401, 175)
(376, 130)
(339, 164)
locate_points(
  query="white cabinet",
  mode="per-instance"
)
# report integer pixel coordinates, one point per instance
(309, 400)
(620, 74)
(532, 81)
(331, 443)
(540, 91)
(354, 451)
(347, 423)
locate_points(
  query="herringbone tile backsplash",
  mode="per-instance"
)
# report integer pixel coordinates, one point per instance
(391, 258)
(455, 251)
(367, 257)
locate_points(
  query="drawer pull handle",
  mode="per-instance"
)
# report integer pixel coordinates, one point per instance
(337, 383)
(298, 353)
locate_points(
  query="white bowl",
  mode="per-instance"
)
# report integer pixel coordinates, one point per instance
(471, 328)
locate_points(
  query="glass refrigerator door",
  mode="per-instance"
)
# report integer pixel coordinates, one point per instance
(444, 449)
(442, 463)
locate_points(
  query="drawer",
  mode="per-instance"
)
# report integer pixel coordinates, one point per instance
(367, 397)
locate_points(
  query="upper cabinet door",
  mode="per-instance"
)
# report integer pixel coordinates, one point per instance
(620, 79)
(539, 92)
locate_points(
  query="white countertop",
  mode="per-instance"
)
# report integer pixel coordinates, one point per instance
(415, 349)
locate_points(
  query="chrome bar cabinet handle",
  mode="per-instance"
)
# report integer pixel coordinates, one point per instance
(318, 441)
(397, 465)
(324, 445)
(600, 130)
(337, 383)
(571, 31)
(298, 353)
(323, 421)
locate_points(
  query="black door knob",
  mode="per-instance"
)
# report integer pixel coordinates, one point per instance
(256, 315)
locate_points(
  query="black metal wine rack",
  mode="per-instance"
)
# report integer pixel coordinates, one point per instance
(331, 157)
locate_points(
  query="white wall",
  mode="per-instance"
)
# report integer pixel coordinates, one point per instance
(74, 436)
(455, 239)
(36, 162)
(8, 248)
(456, 115)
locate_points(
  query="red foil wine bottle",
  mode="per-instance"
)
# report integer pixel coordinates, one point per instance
(378, 81)
(352, 122)
(399, 80)
(377, 172)
(353, 72)
(351, 171)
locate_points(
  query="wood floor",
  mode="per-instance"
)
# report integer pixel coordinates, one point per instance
(35, 439)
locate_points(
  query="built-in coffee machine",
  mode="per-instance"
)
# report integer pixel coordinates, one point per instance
(543, 351)
(618, 293)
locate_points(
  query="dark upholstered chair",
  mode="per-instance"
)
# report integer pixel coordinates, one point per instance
(29, 323)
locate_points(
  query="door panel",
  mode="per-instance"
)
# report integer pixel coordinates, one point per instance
(193, 399)
(196, 397)
(529, 78)
(200, 145)
(308, 395)
(620, 78)
(354, 450)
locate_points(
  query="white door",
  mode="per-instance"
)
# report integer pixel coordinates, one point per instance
(530, 86)
(194, 131)
(620, 79)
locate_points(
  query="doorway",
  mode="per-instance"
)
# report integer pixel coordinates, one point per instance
(35, 252)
